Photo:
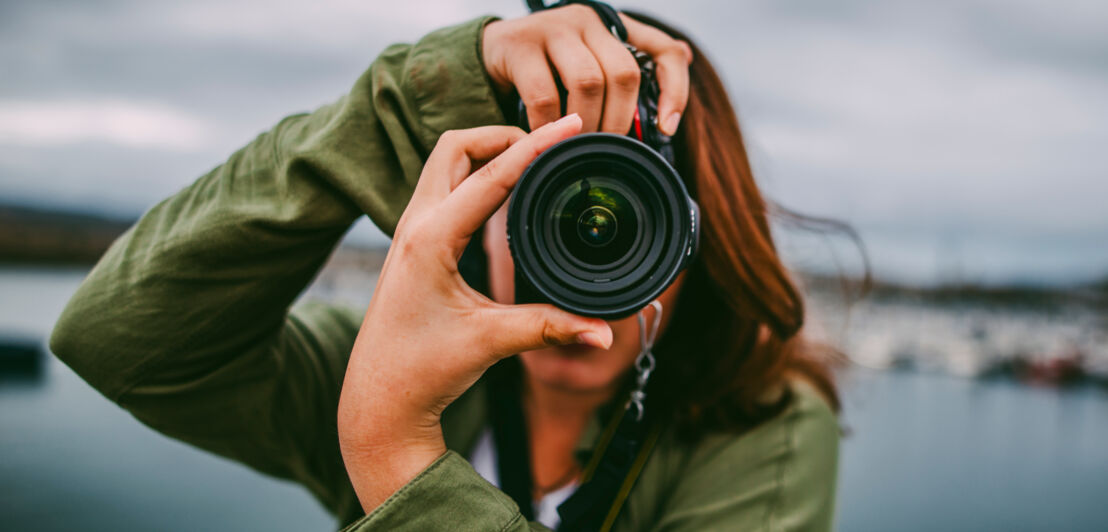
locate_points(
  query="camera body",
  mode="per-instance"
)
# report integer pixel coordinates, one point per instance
(601, 224)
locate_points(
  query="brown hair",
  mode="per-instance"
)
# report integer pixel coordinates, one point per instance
(725, 360)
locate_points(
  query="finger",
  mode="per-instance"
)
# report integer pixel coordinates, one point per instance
(519, 328)
(454, 156)
(582, 77)
(479, 195)
(459, 152)
(671, 58)
(535, 83)
(673, 84)
(621, 80)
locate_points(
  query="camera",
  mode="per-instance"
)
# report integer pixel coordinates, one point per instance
(601, 224)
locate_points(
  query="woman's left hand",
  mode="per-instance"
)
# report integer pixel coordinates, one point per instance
(428, 336)
(600, 76)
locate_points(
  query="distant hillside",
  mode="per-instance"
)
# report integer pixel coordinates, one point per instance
(1092, 295)
(41, 236)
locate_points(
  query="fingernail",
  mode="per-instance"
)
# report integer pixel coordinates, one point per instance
(591, 338)
(567, 118)
(672, 122)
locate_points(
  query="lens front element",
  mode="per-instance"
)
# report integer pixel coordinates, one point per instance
(597, 226)
(596, 221)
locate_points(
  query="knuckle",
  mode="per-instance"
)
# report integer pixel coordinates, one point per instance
(410, 242)
(519, 34)
(626, 77)
(679, 49)
(492, 168)
(576, 12)
(534, 151)
(487, 172)
(589, 82)
(687, 50)
(549, 333)
(450, 137)
(543, 102)
(560, 36)
(489, 175)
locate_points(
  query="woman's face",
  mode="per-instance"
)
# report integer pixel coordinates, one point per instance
(577, 368)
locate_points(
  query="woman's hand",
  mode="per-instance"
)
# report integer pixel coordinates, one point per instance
(601, 76)
(428, 336)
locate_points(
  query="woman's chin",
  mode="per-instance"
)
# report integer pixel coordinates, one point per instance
(578, 368)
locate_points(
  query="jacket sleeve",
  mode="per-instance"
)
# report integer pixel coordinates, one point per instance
(448, 495)
(185, 321)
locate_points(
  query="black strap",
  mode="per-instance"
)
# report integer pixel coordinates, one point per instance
(607, 478)
(612, 463)
(509, 431)
(608, 15)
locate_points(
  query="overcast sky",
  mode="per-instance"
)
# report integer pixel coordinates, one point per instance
(966, 139)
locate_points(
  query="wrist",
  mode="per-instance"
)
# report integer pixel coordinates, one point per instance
(381, 455)
(369, 421)
(378, 471)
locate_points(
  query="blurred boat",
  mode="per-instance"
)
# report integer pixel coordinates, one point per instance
(1053, 371)
(21, 356)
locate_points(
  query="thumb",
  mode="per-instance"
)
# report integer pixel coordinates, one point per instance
(519, 328)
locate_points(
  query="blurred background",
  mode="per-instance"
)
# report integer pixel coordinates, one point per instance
(965, 141)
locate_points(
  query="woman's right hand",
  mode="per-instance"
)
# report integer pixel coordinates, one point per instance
(427, 336)
(600, 75)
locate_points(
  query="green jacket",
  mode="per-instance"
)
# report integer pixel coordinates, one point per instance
(186, 323)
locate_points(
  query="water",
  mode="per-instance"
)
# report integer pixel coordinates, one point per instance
(934, 452)
(72, 460)
(925, 452)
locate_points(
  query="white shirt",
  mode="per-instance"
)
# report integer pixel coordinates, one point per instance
(484, 461)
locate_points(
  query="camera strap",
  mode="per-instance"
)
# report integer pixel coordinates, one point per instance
(619, 455)
(509, 433)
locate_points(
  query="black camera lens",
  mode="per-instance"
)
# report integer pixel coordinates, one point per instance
(599, 225)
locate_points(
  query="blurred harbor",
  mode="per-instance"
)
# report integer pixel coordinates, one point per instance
(1035, 336)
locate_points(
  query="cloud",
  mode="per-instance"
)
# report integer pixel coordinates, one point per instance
(131, 124)
(293, 23)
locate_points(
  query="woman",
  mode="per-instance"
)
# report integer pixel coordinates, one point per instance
(186, 322)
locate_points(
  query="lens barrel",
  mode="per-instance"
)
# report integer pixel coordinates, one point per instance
(599, 225)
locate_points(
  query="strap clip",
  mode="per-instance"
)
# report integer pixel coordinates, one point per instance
(645, 363)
